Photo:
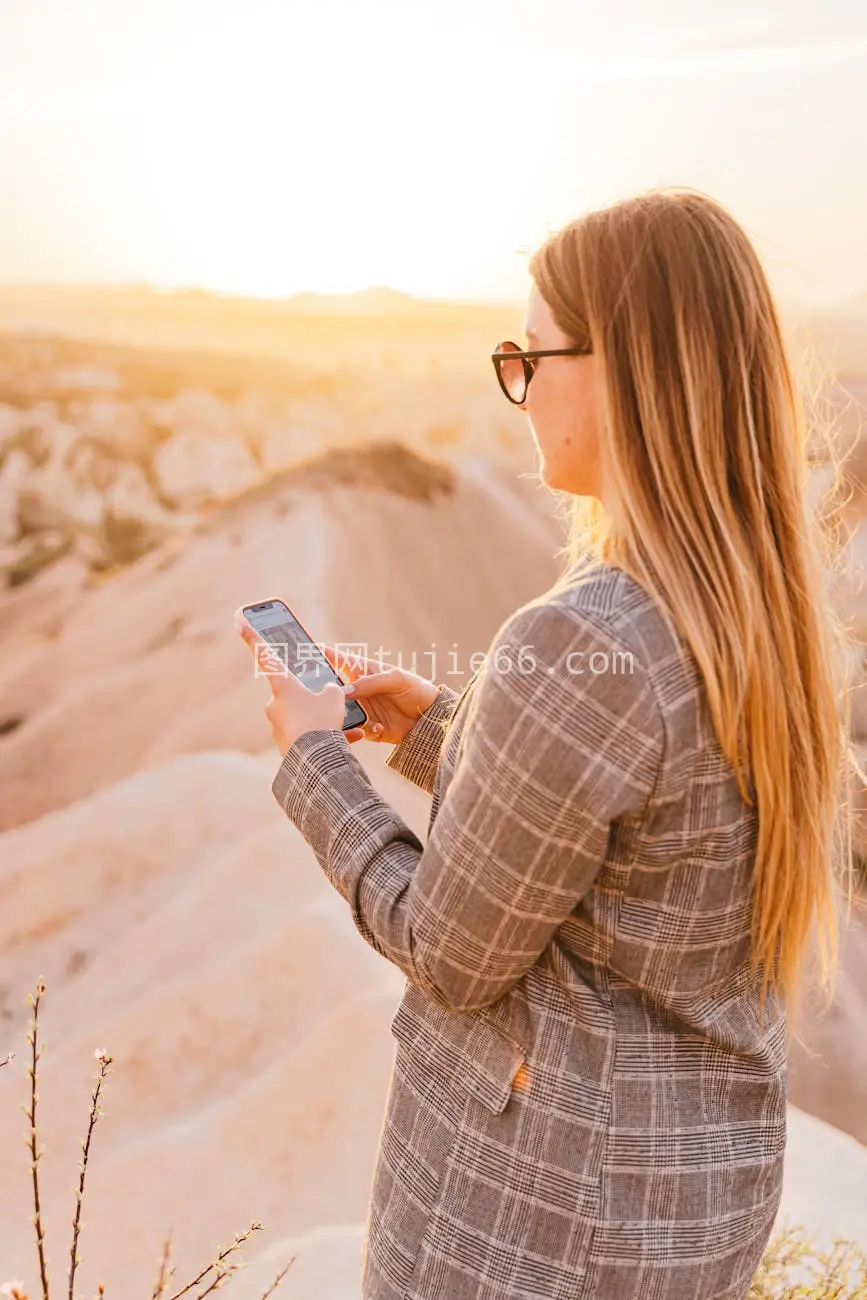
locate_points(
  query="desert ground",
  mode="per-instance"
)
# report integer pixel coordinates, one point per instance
(164, 460)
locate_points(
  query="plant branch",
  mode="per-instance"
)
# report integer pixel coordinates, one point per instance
(104, 1062)
(164, 1273)
(216, 1282)
(278, 1279)
(32, 1038)
(255, 1226)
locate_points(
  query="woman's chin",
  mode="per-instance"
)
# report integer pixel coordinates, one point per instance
(549, 476)
(558, 478)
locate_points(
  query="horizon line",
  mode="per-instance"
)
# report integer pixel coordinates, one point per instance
(385, 291)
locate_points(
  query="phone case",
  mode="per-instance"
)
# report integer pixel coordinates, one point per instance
(279, 601)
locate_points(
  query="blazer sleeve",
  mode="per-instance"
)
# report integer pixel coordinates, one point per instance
(418, 754)
(552, 754)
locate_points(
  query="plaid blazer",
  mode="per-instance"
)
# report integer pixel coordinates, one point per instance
(583, 1101)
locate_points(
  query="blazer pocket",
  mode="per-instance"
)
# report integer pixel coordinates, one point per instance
(461, 1052)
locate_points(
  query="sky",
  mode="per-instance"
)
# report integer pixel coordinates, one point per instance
(268, 147)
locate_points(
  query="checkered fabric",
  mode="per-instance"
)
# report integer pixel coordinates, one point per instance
(584, 1102)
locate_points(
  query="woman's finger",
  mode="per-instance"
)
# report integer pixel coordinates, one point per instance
(353, 666)
(268, 663)
(261, 650)
(370, 731)
(341, 663)
(387, 682)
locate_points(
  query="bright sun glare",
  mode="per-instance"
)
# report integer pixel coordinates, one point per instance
(271, 147)
(334, 178)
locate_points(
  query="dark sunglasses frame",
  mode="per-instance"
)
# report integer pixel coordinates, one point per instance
(528, 360)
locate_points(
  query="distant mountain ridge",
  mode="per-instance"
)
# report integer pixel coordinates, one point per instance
(377, 300)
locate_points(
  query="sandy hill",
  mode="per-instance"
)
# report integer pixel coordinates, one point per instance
(181, 922)
(105, 680)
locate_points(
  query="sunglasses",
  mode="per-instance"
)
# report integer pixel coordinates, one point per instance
(515, 368)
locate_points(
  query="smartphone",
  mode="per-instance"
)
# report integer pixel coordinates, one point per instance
(274, 621)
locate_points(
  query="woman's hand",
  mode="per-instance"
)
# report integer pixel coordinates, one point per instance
(392, 698)
(292, 708)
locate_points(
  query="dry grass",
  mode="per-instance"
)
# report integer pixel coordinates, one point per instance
(793, 1266)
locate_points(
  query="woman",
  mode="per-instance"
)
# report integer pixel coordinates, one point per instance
(634, 828)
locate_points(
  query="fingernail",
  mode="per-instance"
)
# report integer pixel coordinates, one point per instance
(349, 688)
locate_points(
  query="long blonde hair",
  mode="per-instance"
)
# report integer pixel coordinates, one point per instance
(705, 443)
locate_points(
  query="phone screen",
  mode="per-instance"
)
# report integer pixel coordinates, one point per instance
(274, 621)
